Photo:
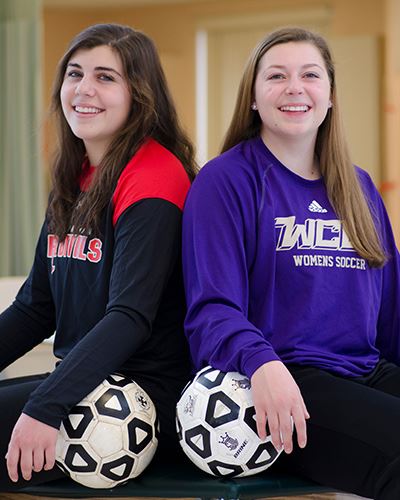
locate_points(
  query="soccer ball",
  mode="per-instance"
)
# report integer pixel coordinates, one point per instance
(217, 428)
(110, 436)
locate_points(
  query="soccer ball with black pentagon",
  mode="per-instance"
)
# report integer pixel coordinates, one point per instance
(110, 436)
(217, 428)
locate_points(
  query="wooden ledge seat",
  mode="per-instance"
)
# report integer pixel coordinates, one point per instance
(184, 481)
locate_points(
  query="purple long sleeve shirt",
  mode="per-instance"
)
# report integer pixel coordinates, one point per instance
(271, 275)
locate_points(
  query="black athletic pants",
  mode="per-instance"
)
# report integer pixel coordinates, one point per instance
(353, 433)
(15, 392)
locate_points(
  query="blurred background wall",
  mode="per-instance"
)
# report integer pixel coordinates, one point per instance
(203, 46)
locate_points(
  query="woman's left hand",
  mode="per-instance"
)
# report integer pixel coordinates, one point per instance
(32, 447)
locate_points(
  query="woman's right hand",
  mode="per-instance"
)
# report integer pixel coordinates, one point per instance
(31, 448)
(277, 399)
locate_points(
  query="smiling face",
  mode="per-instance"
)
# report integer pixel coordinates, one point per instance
(291, 92)
(95, 98)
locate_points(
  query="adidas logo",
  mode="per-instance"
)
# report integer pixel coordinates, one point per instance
(314, 206)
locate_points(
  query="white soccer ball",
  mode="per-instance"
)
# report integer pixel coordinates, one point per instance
(217, 428)
(110, 436)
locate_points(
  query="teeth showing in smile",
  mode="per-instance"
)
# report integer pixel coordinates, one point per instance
(81, 109)
(294, 108)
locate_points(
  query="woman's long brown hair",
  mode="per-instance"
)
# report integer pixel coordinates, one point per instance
(152, 114)
(340, 176)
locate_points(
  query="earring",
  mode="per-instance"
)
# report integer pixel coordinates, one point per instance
(254, 106)
(330, 104)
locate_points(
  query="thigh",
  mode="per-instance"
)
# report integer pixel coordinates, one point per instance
(165, 396)
(13, 395)
(385, 378)
(352, 432)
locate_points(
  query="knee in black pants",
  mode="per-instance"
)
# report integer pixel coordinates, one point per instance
(388, 484)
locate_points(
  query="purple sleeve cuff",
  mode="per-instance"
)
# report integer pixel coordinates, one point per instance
(256, 359)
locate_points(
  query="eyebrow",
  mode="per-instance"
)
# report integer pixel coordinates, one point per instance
(305, 66)
(97, 68)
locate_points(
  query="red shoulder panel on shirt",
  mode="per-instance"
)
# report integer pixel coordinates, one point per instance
(153, 172)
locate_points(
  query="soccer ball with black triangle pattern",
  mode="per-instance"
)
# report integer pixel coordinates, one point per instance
(215, 419)
(110, 436)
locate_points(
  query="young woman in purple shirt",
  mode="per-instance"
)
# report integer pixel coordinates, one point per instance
(292, 274)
